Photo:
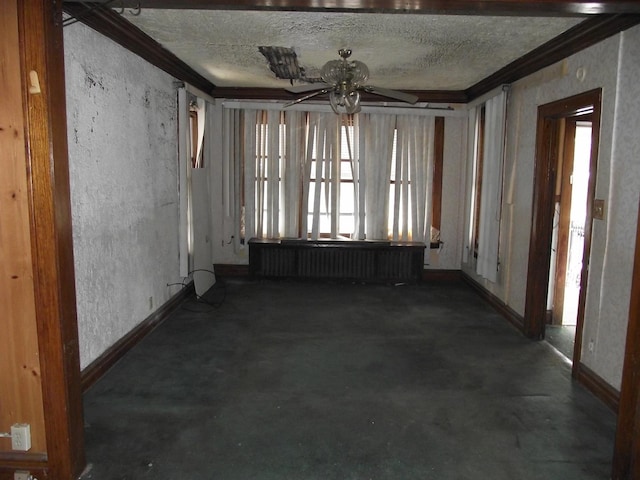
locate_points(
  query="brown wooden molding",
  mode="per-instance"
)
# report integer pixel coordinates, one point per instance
(51, 235)
(505, 310)
(242, 93)
(441, 276)
(583, 35)
(228, 270)
(11, 461)
(96, 369)
(115, 27)
(626, 464)
(598, 386)
(438, 167)
(459, 7)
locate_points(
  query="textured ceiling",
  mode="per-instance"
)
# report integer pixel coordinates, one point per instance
(402, 51)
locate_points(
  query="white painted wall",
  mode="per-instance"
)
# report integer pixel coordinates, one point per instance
(123, 172)
(613, 65)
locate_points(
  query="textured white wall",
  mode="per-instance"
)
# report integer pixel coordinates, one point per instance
(613, 65)
(122, 127)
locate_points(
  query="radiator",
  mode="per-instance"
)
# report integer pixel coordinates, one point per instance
(335, 259)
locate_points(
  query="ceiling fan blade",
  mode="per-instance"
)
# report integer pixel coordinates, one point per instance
(307, 87)
(307, 97)
(398, 95)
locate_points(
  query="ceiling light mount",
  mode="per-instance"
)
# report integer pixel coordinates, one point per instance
(343, 80)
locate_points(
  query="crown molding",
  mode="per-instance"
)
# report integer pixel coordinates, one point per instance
(583, 35)
(449, 7)
(431, 96)
(589, 32)
(115, 27)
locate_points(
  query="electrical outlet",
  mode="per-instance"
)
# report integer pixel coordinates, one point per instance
(21, 437)
(22, 476)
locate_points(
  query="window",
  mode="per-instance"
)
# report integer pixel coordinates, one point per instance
(320, 178)
(487, 127)
(321, 174)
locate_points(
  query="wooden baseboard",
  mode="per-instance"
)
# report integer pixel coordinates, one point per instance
(597, 385)
(505, 310)
(34, 463)
(96, 369)
(438, 275)
(584, 375)
(227, 270)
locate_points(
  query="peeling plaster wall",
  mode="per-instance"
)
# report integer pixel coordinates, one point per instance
(121, 114)
(613, 65)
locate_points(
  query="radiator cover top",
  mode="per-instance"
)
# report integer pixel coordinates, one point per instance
(366, 261)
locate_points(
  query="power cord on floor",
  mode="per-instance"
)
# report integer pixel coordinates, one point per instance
(218, 286)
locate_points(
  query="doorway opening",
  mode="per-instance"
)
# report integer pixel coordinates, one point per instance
(567, 244)
(563, 192)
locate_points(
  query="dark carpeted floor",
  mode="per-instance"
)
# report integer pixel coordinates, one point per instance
(331, 381)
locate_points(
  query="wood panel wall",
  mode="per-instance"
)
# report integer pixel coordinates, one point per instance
(20, 376)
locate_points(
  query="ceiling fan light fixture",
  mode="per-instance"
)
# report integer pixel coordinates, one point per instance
(344, 102)
(343, 80)
(348, 77)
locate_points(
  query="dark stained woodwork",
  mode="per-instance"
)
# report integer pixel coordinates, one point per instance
(438, 166)
(94, 371)
(513, 317)
(437, 275)
(115, 27)
(20, 371)
(246, 93)
(583, 35)
(598, 387)
(546, 163)
(52, 248)
(450, 7)
(231, 270)
(626, 454)
(34, 466)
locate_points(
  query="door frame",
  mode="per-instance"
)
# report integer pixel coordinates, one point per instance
(626, 454)
(550, 117)
(41, 49)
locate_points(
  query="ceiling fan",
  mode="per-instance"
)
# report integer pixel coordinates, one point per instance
(343, 80)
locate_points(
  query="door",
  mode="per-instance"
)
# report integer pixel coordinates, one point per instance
(558, 124)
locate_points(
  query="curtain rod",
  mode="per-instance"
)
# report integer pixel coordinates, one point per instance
(426, 110)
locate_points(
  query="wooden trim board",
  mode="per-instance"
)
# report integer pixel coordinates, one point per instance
(598, 386)
(96, 369)
(505, 310)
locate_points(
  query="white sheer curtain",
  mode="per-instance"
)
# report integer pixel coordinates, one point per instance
(472, 158)
(321, 186)
(284, 174)
(398, 185)
(267, 193)
(491, 197)
(185, 230)
(413, 177)
(376, 139)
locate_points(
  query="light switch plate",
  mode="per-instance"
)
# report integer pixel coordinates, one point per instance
(598, 209)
